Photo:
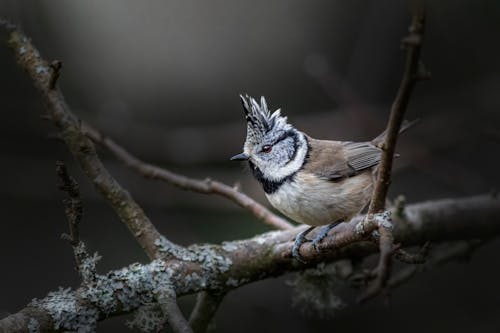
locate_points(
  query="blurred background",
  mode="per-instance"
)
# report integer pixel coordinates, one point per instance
(162, 78)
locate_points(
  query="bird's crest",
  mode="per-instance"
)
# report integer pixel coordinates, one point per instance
(260, 121)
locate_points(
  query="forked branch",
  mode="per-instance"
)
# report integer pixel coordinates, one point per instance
(414, 71)
(213, 270)
(44, 77)
(219, 268)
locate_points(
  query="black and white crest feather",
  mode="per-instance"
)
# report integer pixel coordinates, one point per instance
(260, 121)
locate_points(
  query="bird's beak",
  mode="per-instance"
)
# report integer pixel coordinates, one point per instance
(240, 157)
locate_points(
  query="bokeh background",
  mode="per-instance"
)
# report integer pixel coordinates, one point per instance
(162, 78)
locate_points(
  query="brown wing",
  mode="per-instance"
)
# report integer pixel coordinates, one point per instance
(335, 160)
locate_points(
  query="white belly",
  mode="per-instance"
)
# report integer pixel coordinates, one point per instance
(314, 201)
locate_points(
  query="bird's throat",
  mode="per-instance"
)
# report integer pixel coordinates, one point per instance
(269, 186)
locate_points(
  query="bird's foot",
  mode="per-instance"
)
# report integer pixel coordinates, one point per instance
(322, 234)
(299, 240)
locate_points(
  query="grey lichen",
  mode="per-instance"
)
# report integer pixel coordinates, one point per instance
(125, 290)
(130, 287)
(380, 220)
(33, 326)
(86, 263)
(207, 256)
(68, 312)
(232, 282)
(360, 227)
(42, 69)
(384, 220)
(315, 291)
(229, 246)
(262, 239)
(194, 279)
(148, 318)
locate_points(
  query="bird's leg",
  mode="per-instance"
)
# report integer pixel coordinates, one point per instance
(299, 240)
(323, 232)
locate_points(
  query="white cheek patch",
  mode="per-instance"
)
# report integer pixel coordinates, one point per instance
(275, 172)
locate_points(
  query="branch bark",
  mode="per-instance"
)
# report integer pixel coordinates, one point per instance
(219, 268)
(210, 269)
(204, 310)
(413, 43)
(172, 312)
(44, 78)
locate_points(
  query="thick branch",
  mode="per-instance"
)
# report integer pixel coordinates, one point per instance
(207, 186)
(223, 267)
(81, 147)
(215, 268)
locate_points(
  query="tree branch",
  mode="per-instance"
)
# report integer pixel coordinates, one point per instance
(85, 263)
(74, 206)
(207, 186)
(204, 310)
(219, 268)
(449, 252)
(214, 269)
(412, 43)
(173, 314)
(82, 148)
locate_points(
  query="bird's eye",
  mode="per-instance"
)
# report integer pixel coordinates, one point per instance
(267, 148)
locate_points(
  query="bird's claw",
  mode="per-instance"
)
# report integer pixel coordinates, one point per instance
(322, 234)
(318, 239)
(315, 243)
(299, 240)
(296, 249)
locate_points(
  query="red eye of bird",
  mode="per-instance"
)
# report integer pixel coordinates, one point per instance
(267, 148)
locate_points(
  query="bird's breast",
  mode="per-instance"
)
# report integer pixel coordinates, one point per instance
(314, 201)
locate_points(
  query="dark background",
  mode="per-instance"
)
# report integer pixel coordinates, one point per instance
(163, 78)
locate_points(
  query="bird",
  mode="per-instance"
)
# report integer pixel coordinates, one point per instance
(320, 183)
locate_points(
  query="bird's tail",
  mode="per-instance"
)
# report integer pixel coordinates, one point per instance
(379, 140)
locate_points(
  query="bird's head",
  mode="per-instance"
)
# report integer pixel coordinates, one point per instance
(274, 148)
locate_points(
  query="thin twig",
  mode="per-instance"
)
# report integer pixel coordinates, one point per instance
(440, 256)
(412, 43)
(207, 186)
(414, 71)
(173, 314)
(80, 146)
(204, 310)
(413, 258)
(74, 206)
(85, 263)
